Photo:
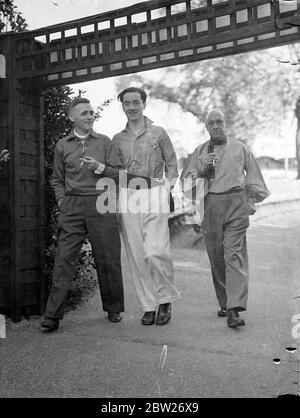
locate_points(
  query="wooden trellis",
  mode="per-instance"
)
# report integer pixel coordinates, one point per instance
(148, 35)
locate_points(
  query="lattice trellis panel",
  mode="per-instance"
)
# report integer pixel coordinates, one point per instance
(146, 36)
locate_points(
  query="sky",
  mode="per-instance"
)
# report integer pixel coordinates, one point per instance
(41, 13)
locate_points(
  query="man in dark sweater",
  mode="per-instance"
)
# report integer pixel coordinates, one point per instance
(79, 163)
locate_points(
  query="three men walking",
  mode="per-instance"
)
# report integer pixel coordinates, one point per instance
(233, 183)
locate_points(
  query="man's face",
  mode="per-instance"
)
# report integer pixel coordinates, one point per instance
(216, 126)
(133, 106)
(83, 117)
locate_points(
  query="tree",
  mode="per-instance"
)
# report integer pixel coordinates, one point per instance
(10, 17)
(253, 89)
(56, 125)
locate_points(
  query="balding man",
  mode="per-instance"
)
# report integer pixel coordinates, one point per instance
(233, 183)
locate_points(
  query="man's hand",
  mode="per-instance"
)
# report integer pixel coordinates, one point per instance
(210, 159)
(169, 184)
(193, 174)
(4, 155)
(92, 164)
(251, 205)
(173, 182)
(158, 181)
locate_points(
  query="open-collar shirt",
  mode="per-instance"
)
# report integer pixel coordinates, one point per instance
(235, 169)
(150, 153)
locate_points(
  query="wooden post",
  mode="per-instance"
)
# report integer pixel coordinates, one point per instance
(21, 123)
(5, 236)
(14, 186)
(43, 291)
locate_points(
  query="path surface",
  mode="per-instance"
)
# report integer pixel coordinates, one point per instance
(90, 357)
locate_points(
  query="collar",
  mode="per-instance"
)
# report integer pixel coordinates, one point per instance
(73, 136)
(148, 122)
(218, 143)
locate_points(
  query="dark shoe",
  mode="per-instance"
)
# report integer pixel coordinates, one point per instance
(233, 319)
(222, 312)
(148, 318)
(49, 324)
(114, 316)
(164, 314)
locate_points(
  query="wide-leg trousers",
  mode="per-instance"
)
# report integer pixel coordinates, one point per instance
(145, 230)
(78, 218)
(224, 225)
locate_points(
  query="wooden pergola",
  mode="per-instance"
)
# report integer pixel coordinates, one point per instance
(141, 37)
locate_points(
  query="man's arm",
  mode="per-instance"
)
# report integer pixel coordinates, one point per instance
(190, 166)
(113, 154)
(256, 188)
(191, 178)
(194, 166)
(113, 167)
(58, 180)
(113, 160)
(169, 157)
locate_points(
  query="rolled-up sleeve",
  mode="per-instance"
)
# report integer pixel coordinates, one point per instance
(190, 167)
(113, 160)
(113, 154)
(169, 156)
(255, 185)
(58, 179)
(194, 165)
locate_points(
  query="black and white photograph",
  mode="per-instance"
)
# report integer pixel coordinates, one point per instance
(149, 202)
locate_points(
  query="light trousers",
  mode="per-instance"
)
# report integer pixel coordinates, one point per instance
(144, 223)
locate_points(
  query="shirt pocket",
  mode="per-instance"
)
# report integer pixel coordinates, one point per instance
(156, 162)
(154, 151)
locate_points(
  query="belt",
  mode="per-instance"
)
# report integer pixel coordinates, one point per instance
(228, 192)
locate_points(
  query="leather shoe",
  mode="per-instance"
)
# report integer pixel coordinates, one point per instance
(50, 324)
(233, 319)
(222, 312)
(164, 314)
(114, 316)
(148, 318)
